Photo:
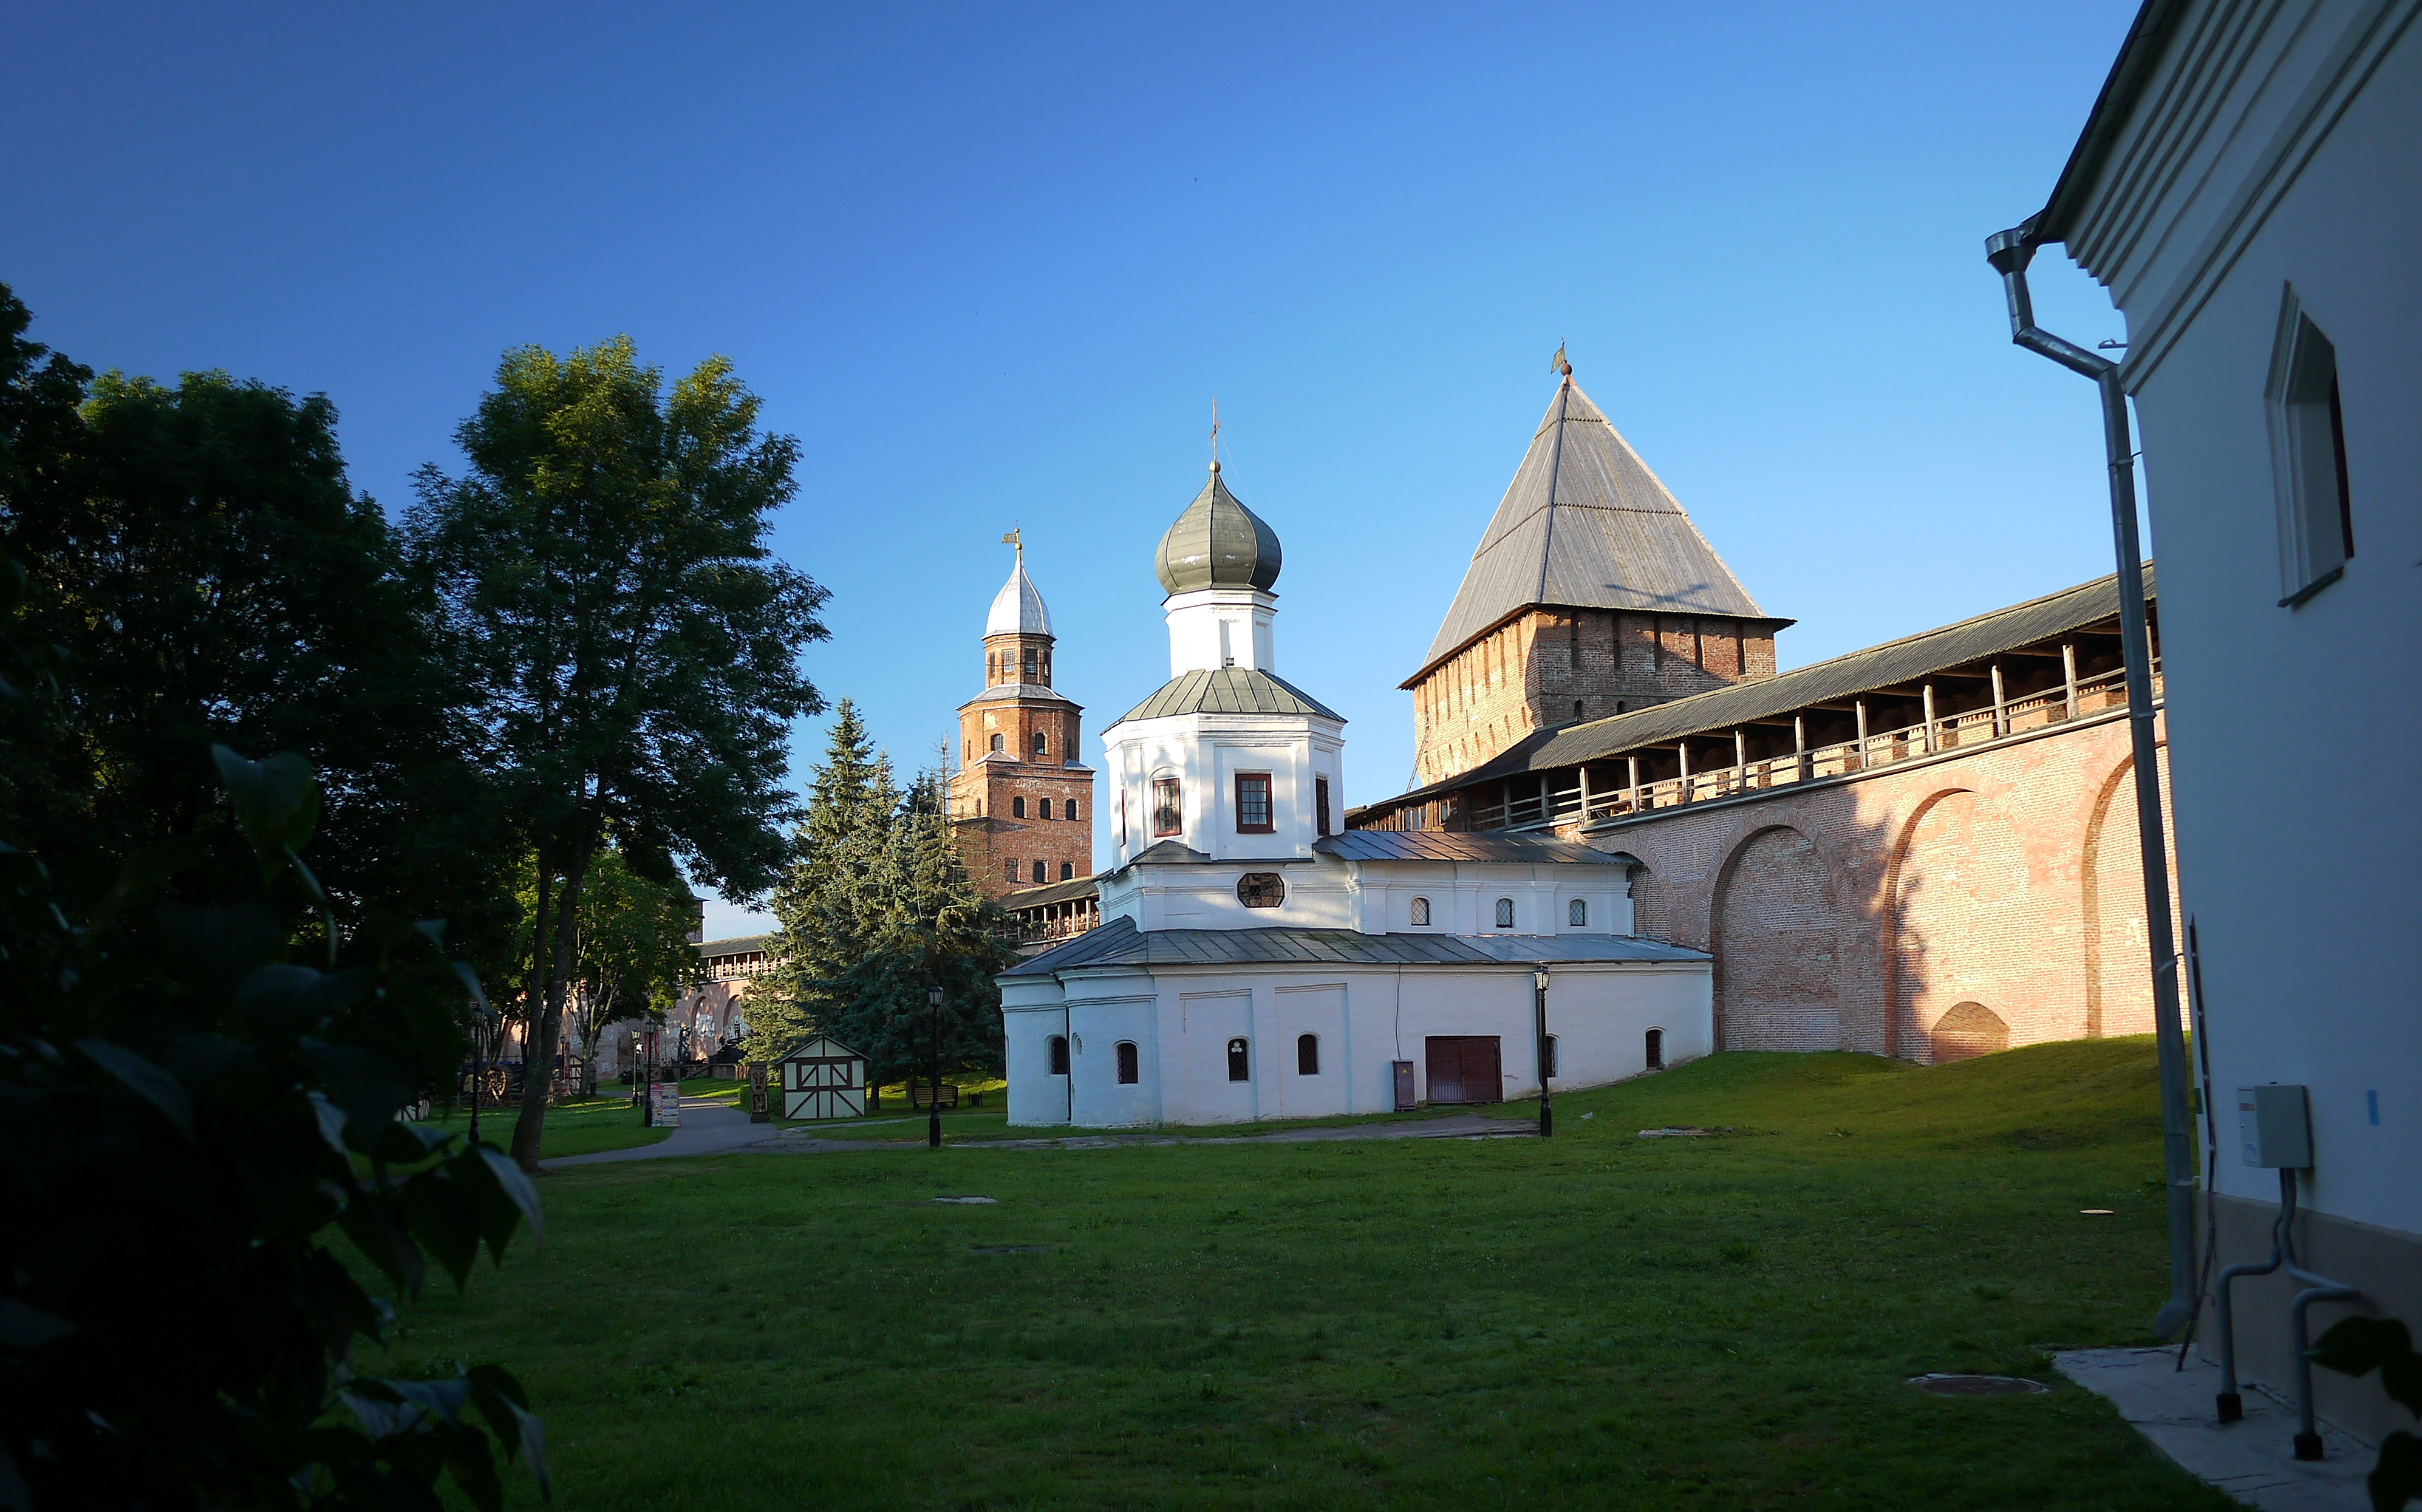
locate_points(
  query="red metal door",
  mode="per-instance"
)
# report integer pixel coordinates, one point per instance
(1463, 1069)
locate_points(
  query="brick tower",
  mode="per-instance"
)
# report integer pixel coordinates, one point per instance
(1022, 800)
(1592, 594)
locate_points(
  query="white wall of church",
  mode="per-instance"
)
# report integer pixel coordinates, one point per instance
(1205, 752)
(1181, 1021)
(1213, 627)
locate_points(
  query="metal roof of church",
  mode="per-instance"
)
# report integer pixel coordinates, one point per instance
(739, 945)
(1120, 943)
(1217, 543)
(1462, 845)
(1229, 690)
(1017, 608)
(1586, 524)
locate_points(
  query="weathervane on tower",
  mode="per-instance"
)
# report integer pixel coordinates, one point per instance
(1018, 540)
(1558, 364)
(1215, 433)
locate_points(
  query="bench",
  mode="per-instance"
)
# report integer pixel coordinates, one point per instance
(921, 1096)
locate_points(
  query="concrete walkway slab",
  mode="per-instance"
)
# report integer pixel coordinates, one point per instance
(2254, 1460)
(705, 1128)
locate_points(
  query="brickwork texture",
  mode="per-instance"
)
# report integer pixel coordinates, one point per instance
(1555, 666)
(1928, 911)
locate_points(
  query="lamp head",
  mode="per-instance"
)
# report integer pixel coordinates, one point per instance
(934, 997)
(1539, 977)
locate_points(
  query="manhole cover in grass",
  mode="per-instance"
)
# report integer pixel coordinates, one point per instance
(1011, 1248)
(1942, 1385)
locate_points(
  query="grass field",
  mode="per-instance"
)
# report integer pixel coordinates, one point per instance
(606, 1122)
(1594, 1321)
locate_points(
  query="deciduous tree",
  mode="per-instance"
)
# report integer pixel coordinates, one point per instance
(625, 635)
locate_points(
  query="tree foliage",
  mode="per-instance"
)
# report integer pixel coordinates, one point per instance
(602, 577)
(631, 955)
(2358, 1347)
(196, 554)
(190, 1112)
(879, 910)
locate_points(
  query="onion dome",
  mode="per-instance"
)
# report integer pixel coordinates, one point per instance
(1217, 543)
(1017, 608)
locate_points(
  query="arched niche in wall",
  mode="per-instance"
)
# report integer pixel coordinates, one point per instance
(1774, 932)
(1963, 924)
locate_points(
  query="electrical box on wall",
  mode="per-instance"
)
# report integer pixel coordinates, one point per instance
(2274, 1127)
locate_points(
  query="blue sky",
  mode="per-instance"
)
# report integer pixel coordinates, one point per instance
(992, 265)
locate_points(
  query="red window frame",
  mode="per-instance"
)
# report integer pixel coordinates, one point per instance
(1258, 785)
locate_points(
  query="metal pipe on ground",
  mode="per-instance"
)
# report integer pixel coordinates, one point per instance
(2230, 1403)
(2009, 252)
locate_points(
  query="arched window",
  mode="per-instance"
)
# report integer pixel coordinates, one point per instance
(1069, 808)
(1168, 814)
(1127, 1062)
(1046, 808)
(1548, 1057)
(1041, 875)
(1576, 913)
(1239, 1063)
(996, 742)
(1655, 1049)
(1042, 743)
(1420, 913)
(1058, 1049)
(1067, 870)
(1017, 807)
(1504, 913)
(1307, 1055)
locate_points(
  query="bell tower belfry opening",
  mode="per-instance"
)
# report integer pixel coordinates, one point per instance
(1021, 801)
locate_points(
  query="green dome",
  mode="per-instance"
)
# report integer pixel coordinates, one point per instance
(1217, 543)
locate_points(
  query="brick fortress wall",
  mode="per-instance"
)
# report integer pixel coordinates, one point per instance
(1537, 669)
(1929, 910)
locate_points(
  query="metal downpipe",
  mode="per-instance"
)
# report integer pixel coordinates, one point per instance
(2009, 252)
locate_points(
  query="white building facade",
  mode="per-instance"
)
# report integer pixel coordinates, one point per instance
(1252, 963)
(2250, 191)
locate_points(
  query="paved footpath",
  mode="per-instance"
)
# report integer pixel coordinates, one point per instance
(721, 1129)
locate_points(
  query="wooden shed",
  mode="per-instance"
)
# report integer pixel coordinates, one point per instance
(822, 1078)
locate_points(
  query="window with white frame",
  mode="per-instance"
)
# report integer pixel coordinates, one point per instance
(2309, 457)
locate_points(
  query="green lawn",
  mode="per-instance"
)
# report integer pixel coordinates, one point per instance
(1596, 1321)
(609, 1121)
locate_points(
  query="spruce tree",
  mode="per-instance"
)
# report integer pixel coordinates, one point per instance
(927, 923)
(823, 902)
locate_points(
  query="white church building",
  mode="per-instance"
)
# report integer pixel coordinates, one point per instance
(1254, 963)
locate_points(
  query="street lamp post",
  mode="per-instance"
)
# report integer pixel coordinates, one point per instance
(934, 1087)
(1539, 1011)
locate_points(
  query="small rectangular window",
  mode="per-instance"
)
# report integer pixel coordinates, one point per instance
(1253, 803)
(1041, 873)
(2309, 457)
(1068, 809)
(1126, 1061)
(1017, 807)
(1046, 808)
(1320, 804)
(1008, 872)
(1168, 815)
